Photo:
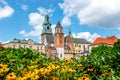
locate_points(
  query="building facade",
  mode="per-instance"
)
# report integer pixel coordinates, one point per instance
(17, 43)
(56, 45)
(60, 46)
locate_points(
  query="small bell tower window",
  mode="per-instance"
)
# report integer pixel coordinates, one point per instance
(47, 27)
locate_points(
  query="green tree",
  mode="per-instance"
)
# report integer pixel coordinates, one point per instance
(117, 46)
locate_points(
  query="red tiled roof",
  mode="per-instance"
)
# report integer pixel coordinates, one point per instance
(109, 40)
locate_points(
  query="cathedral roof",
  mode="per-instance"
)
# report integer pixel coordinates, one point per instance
(24, 41)
(80, 40)
(50, 39)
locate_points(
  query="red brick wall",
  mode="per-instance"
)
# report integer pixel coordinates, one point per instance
(59, 40)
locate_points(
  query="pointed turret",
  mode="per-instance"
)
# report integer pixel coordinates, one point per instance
(58, 28)
(69, 33)
(58, 25)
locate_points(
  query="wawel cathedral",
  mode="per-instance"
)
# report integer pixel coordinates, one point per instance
(60, 46)
(55, 45)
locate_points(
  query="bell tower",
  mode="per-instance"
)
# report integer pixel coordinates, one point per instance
(47, 30)
(59, 40)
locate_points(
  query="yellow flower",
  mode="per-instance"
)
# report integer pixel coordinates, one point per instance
(24, 70)
(34, 77)
(34, 62)
(55, 78)
(107, 74)
(32, 67)
(11, 76)
(80, 65)
(22, 78)
(84, 77)
(11, 60)
(90, 69)
(3, 65)
(4, 70)
(36, 71)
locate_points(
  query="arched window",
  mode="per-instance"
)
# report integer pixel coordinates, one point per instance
(57, 30)
(60, 41)
(47, 27)
(61, 55)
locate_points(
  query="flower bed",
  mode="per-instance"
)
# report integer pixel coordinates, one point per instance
(25, 64)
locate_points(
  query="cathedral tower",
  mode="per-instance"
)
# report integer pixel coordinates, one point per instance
(47, 30)
(59, 40)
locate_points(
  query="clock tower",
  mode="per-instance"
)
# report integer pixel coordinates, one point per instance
(47, 30)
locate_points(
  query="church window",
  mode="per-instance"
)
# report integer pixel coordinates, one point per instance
(57, 30)
(13, 46)
(47, 27)
(37, 48)
(84, 47)
(60, 41)
(61, 55)
(41, 47)
(60, 31)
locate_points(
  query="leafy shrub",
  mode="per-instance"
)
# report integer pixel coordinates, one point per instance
(26, 64)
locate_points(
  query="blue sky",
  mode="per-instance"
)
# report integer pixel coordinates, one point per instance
(87, 19)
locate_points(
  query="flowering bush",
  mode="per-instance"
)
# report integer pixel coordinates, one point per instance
(25, 64)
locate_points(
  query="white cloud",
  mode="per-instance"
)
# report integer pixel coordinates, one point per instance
(118, 28)
(5, 11)
(36, 20)
(24, 7)
(4, 2)
(86, 35)
(5, 42)
(103, 13)
(66, 21)
(53, 28)
(44, 11)
(22, 32)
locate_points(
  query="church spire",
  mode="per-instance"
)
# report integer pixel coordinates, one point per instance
(69, 33)
(46, 18)
(58, 25)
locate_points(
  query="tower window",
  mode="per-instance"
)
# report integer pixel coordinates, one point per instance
(47, 27)
(61, 55)
(60, 42)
